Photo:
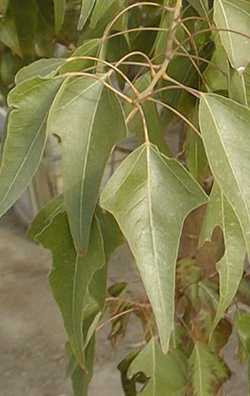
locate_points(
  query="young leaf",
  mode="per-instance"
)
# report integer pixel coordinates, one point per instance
(150, 196)
(26, 137)
(78, 282)
(83, 116)
(231, 266)
(59, 7)
(234, 16)
(209, 372)
(164, 372)
(87, 7)
(225, 131)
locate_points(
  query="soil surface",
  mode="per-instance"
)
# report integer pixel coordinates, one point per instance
(31, 331)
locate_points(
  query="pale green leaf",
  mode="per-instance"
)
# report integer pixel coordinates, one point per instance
(78, 282)
(59, 7)
(86, 9)
(40, 68)
(240, 86)
(209, 372)
(231, 266)
(26, 136)
(234, 16)
(150, 196)
(225, 131)
(164, 372)
(83, 116)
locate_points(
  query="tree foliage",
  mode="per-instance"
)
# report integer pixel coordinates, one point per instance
(173, 77)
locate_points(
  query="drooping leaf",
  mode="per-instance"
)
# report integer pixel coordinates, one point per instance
(164, 372)
(142, 195)
(225, 131)
(86, 9)
(26, 137)
(234, 16)
(78, 282)
(231, 266)
(209, 372)
(81, 378)
(83, 116)
(59, 11)
(40, 68)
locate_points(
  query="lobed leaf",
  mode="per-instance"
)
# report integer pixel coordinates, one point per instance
(150, 196)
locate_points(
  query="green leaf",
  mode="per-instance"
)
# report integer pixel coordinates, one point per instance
(78, 282)
(59, 10)
(26, 31)
(83, 116)
(8, 35)
(234, 16)
(26, 137)
(225, 131)
(156, 127)
(209, 372)
(142, 195)
(240, 86)
(86, 9)
(165, 372)
(88, 48)
(40, 68)
(3, 6)
(81, 378)
(201, 6)
(100, 10)
(231, 266)
(112, 235)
